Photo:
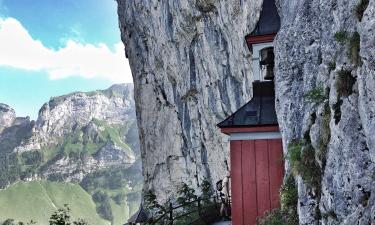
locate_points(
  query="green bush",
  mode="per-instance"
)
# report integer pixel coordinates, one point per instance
(354, 40)
(152, 204)
(13, 222)
(332, 65)
(103, 206)
(287, 215)
(32, 157)
(325, 135)
(99, 196)
(301, 156)
(280, 217)
(316, 95)
(294, 151)
(119, 198)
(186, 194)
(62, 217)
(104, 210)
(207, 191)
(341, 36)
(289, 193)
(10, 169)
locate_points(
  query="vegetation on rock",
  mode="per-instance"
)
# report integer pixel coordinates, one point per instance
(287, 214)
(341, 36)
(316, 95)
(301, 156)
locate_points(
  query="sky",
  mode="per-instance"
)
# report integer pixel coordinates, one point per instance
(54, 47)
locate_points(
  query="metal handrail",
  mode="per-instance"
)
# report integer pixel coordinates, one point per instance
(170, 211)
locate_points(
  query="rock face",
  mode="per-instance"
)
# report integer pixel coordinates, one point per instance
(191, 69)
(329, 47)
(73, 136)
(61, 115)
(7, 117)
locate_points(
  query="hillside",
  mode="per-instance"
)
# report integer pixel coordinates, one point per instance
(37, 200)
(90, 139)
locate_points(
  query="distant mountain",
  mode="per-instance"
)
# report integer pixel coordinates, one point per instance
(89, 139)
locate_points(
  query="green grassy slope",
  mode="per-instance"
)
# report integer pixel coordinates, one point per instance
(37, 200)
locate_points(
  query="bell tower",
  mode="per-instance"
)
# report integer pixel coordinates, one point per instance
(256, 151)
(260, 42)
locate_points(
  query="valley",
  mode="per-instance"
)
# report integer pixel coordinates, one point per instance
(83, 150)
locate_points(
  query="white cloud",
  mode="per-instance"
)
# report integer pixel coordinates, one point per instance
(19, 50)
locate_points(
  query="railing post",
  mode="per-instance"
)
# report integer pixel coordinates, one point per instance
(215, 203)
(199, 207)
(171, 213)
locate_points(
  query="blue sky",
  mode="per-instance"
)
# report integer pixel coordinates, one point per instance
(54, 47)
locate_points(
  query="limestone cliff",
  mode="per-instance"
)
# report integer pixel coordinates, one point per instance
(7, 116)
(328, 47)
(191, 69)
(73, 136)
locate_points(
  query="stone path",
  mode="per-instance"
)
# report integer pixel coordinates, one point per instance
(223, 223)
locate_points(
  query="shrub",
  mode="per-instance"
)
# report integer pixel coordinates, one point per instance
(316, 95)
(9, 222)
(32, 157)
(332, 65)
(289, 193)
(302, 159)
(341, 36)
(59, 217)
(206, 191)
(104, 210)
(280, 217)
(152, 204)
(287, 215)
(186, 194)
(99, 196)
(354, 44)
(294, 151)
(325, 136)
(360, 9)
(274, 217)
(62, 217)
(119, 198)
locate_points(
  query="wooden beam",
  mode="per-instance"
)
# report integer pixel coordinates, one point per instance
(229, 130)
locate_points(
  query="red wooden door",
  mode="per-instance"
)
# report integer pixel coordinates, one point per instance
(257, 172)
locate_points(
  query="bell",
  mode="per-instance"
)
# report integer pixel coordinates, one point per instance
(267, 63)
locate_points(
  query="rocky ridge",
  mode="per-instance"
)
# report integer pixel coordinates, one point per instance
(7, 116)
(73, 136)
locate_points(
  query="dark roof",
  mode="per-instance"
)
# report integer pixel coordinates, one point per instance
(260, 110)
(269, 20)
(141, 216)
